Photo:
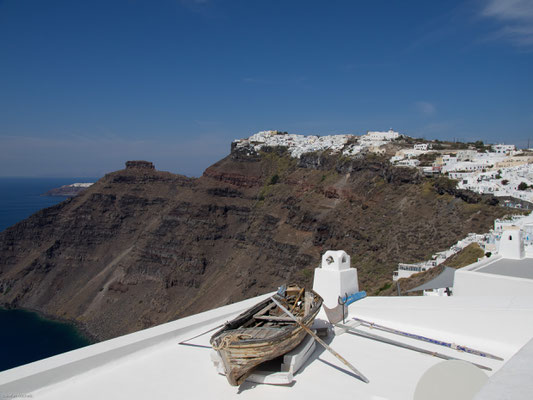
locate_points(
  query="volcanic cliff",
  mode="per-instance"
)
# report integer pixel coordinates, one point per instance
(141, 247)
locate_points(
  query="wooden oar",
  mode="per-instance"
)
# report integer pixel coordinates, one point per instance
(201, 334)
(297, 299)
(382, 339)
(321, 342)
(452, 346)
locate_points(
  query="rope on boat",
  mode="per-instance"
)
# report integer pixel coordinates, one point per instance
(226, 340)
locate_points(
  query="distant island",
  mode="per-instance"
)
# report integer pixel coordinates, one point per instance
(71, 190)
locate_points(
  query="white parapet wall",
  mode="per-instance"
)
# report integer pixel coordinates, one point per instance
(468, 283)
(56, 369)
(472, 281)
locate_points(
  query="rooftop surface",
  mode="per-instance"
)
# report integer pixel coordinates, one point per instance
(515, 268)
(151, 363)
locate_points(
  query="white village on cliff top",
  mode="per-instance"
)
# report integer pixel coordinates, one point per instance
(499, 169)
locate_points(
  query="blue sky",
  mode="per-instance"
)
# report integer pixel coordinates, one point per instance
(87, 85)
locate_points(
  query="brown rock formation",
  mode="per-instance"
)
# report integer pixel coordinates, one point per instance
(139, 165)
(142, 247)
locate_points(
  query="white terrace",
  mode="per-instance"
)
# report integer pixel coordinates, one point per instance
(150, 364)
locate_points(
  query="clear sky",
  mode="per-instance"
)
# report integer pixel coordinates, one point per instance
(86, 85)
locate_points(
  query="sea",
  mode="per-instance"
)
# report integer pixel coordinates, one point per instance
(26, 336)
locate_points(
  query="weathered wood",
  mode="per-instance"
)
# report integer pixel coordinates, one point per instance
(307, 303)
(452, 346)
(382, 339)
(242, 346)
(265, 310)
(297, 300)
(272, 318)
(201, 334)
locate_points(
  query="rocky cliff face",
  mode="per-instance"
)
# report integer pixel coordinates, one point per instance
(142, 247)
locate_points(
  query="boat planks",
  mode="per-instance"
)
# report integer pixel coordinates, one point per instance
(263, 333)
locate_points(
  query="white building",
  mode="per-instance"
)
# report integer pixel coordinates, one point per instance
(382, 136)
(462, 166)
(295, 144)
(408, 162)
(396, 158)
(407, 270)
(421, 146)
(513, 260)
(466, 155)
(503, 148)
(460, 176)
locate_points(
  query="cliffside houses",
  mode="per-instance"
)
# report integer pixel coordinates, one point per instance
(513, 182)
(409, 157)
(503, 171)
(503, 148)
(490, 242)
(296, 145)
(406, 270)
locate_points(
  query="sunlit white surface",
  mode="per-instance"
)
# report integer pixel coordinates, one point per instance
(151, 363)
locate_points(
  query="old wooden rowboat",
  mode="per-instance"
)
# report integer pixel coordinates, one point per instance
(264, 332)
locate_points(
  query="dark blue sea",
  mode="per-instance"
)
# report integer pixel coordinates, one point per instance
(25, 336)
(21, 197)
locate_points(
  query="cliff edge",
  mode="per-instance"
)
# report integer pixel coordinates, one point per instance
(141, 247)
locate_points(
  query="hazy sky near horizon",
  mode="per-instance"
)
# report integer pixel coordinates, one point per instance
(87, 85)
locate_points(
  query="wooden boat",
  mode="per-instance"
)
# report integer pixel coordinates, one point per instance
(264, 332)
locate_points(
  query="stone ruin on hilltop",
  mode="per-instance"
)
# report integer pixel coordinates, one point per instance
(139, 164)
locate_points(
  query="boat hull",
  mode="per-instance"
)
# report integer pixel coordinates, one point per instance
(242, 349)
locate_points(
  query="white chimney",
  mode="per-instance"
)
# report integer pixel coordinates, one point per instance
(335, 278)
(512, 243)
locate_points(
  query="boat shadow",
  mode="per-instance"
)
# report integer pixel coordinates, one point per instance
(319, 350)
(314, 357)
(251, 385)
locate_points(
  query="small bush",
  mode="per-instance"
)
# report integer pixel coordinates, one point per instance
(445, 185)
(274, 179)
(307, 273)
